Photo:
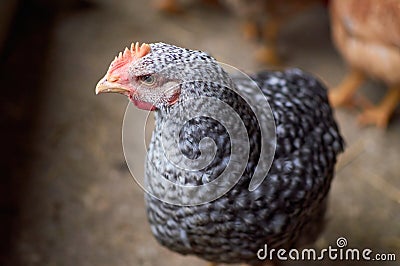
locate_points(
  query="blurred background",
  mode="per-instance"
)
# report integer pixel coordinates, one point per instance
(66, 195)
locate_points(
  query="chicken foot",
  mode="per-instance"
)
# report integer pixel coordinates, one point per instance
(343, 94)
(380, 115)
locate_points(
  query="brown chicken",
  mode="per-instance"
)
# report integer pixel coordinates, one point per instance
(262, 20)
(367, 34)
(265, 19)
(177, 6)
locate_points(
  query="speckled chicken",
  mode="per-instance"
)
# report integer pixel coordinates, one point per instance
(367, 34)
(287, 209)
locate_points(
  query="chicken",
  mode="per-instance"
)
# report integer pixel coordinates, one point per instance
(252, 14)
(367, 34)
(186, 89)
(265, 18)
(176, 6)
(262, 20)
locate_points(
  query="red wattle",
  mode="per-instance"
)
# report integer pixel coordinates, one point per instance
(143, 105)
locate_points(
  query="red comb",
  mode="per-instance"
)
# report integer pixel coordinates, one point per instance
(130, 55)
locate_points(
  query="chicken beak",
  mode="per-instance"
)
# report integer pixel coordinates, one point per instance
(104, 85)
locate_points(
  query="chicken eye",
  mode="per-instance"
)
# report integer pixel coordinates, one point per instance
(147, 79)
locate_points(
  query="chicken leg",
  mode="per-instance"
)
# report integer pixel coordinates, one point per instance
(380, 115)
(169, 6)
(278, 13)
(268, 53)
(344, 93)
(174, 7)
(250, 29)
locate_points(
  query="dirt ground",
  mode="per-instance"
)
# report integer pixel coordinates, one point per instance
(68, 197)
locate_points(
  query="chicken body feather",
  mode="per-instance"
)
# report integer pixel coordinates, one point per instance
(286, 210)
